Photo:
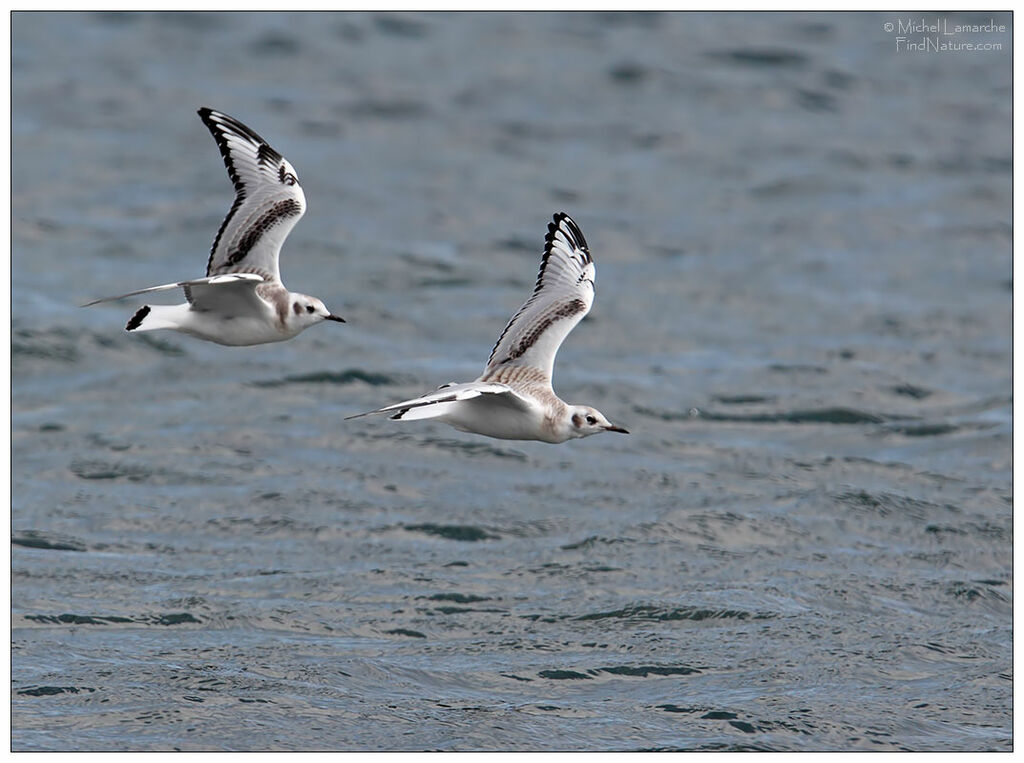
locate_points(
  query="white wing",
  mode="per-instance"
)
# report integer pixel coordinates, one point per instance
(268, 201)
(562, 296)
(231, 294)
(439, 402)
(202, 292)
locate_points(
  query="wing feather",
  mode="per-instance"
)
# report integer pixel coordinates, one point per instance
(562, 296)
(441, 399)
(268, 201)
(189, 286)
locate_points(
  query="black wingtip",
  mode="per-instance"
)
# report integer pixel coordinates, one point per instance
(138, 318)
(562, 222)
(206, 114)
(559, 217)
(226, 121)
(571, 228)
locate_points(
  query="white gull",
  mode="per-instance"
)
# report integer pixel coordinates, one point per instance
(242, 301)
(513, 398)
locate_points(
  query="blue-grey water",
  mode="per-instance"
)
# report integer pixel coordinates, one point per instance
(803, 245)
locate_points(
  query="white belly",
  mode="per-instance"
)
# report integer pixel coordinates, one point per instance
(482, 416)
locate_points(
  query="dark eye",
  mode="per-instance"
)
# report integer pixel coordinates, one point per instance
(309, 308)
(289, 179)
(591, 420)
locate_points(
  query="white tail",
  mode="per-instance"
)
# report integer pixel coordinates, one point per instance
(152, 318)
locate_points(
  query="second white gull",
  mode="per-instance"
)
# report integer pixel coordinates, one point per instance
(513, 398)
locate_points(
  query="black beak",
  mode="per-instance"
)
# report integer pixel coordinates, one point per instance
(613, 428)
(334, 318)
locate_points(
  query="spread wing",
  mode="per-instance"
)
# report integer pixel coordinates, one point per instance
(268, 201)
(440, 401)
(231, 294)
(562, 296)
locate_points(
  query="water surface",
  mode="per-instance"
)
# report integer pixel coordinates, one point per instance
(803, 247)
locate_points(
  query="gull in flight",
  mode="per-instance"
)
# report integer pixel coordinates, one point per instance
(513, 399)
(242, 301)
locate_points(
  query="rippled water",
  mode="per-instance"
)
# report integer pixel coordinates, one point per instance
(803, 316)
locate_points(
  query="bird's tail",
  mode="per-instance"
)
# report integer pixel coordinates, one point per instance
(152, 318)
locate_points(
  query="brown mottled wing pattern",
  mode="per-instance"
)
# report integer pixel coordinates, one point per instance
(268, 201)
(562, 296)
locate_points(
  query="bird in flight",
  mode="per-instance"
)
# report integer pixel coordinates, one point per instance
(513, 398)
(242, 300)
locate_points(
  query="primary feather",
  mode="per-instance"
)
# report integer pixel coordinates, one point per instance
(562, 296)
